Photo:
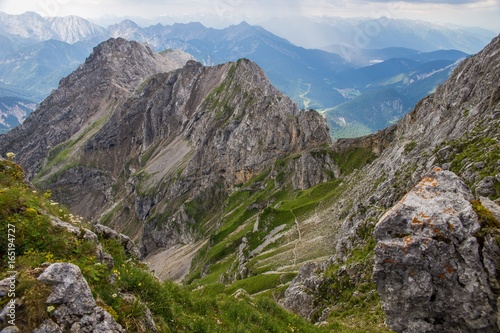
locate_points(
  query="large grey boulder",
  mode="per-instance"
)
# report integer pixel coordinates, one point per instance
(76, 309)
(428, 265)
(299, 297)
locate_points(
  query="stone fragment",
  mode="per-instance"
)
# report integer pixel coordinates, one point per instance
(486, 187)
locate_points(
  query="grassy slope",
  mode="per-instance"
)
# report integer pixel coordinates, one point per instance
(174, 308)
(269, 202)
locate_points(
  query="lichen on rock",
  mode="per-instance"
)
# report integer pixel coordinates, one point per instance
(428, 264)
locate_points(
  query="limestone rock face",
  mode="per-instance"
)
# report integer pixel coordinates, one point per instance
(463, 113)
(76, 309)
(428, 267)
(311, 169)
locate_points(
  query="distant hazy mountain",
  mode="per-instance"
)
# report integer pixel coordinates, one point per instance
(366, 57)
(348, 35)
(37, 69)
(30, 25)
(36, 52)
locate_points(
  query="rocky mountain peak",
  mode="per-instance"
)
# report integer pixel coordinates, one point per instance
(113, 70)
(129, 61)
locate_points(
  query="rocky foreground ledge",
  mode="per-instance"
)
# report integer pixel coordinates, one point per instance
(432, 268)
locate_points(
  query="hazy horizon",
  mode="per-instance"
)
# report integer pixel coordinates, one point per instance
(220, 13)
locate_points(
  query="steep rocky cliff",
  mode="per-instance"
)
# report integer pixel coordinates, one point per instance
(423, 286)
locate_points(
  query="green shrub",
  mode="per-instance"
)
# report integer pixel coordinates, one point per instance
(409, 147)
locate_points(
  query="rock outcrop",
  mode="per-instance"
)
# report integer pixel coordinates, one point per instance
(77, 231)
(428, 263)
(75, 309)
(127, 243)
(299, 296)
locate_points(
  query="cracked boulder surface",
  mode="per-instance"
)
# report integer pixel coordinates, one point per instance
(429, 266)
(75, 307)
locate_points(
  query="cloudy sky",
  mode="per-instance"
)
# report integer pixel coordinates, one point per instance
(480, 13)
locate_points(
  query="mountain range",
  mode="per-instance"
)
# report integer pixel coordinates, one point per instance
(227, 187)
(349, 37)
(32, 64)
